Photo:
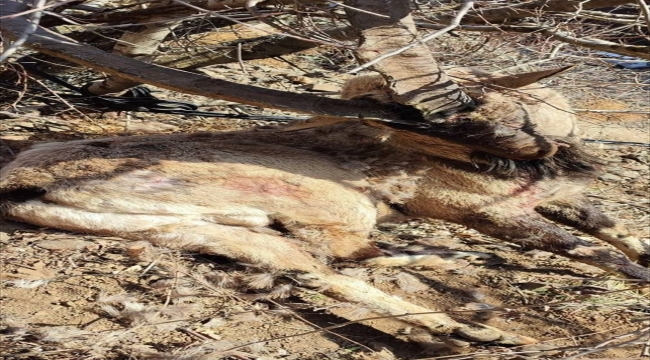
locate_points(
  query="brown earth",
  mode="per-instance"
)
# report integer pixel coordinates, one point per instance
(75, 296)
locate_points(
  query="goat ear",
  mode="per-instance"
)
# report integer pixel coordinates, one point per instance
(521, 80)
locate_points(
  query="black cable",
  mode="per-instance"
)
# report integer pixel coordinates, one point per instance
(614, 142)
(140, 98)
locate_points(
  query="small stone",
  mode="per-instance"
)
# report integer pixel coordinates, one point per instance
(112, 257)
(57, 129)
(282, 353)
(630, 174)
(150, 127)
(638, 167)
(324, 87)
(65, 244)
(24, 124)
(610, 177)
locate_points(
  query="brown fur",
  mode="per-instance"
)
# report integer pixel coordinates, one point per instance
(529, 122)
(326, 187)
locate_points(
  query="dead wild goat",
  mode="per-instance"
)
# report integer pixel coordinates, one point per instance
(294, 199)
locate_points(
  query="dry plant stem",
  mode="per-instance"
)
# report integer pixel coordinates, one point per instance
(602, 16)
(414, 76)
(533, 8)
(171, 10)
(70, 106)
(194, 334)
(151, 265)
(597, 44)
(639, 51)
(646, 12)
(32, 26)
(643, 112)
(23, 77)
(240, 60)
(640, 337)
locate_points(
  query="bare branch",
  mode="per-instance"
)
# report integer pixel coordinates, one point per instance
(34, 18)
(644, 112)
(601, 45)
(638, 51)
(171, 11)
(646, 12)
(533, 8)
(638, 337)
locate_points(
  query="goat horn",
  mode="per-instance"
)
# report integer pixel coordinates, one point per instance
(521, 80)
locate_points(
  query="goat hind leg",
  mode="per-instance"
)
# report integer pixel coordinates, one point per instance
(532, 231)
(351, 290)
(265, 250)
(283, 254)
(581, 214)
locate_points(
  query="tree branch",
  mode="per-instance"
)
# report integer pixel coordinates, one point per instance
(534, 8)
(34, 19)
(638, 51)
(60, 46)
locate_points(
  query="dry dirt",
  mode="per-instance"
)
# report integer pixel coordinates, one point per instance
(75, 296)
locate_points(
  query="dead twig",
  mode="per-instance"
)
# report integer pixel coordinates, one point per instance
(640, 337)
(646, 12)
(644, 112)
(30, 28)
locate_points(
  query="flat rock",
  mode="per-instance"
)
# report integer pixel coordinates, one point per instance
(630, 174)
(65, 244)
(298, 79)
(610, 177)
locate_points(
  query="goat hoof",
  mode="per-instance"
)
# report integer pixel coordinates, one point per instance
(455, 342)
(479, 333)
(515, 339)
(483, 333)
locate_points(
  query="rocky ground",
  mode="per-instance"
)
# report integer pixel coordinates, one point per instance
(75, 296)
